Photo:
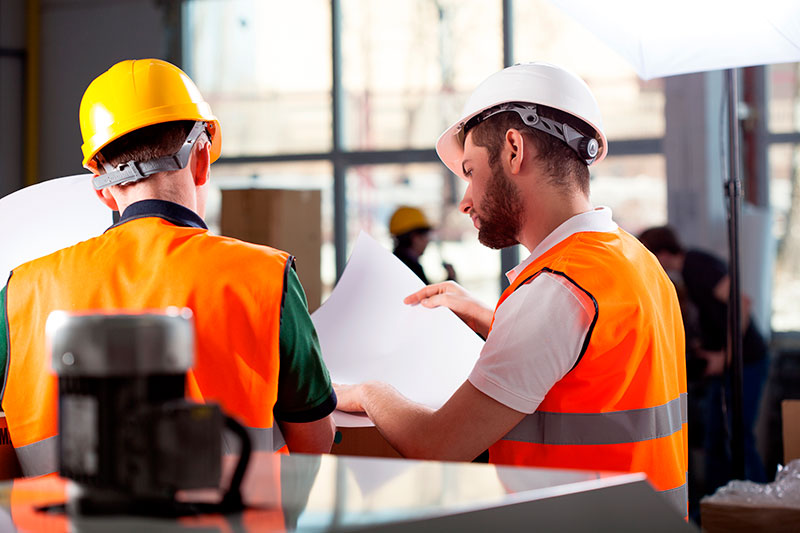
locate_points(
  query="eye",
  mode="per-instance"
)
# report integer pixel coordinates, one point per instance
(468, 173)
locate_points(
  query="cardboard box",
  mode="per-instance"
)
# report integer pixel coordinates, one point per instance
(791, 430)
(724, 518)
(366, 442)
(289, 220)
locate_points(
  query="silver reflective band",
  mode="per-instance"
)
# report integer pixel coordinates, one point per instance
(677, 497)
(618, 427)
(39, 458)
(262, 439)
(134, 170)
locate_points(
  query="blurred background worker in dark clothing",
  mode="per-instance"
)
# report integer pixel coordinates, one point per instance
(412, 232)
(703, 280)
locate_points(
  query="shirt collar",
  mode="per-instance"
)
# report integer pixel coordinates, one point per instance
(598, 219)
(169, 211)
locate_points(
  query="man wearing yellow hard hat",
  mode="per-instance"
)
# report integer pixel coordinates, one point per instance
(412, 233)
(150, 138)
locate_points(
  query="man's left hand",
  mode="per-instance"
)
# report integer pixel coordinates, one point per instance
(348, 398)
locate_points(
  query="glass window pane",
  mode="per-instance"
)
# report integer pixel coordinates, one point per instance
(266, 75)
(295, 176)
(631, 108)
(375, 191)
(634, 187)
(784, 97)
(409, 66)
(784, 161)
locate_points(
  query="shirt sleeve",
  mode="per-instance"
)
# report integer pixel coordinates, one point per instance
(3, 340)
(305, 393)
(539, 334)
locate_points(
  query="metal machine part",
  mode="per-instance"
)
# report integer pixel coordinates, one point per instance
(128, 437)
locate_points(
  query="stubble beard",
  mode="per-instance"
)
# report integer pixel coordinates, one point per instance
(501, 212)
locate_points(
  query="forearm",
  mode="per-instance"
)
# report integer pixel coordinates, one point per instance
(482, 322)
(403, 423)
(309, 437)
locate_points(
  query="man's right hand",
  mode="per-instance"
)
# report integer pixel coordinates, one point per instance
(450, 294)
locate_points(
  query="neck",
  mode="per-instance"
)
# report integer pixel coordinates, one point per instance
(545, 214)
(171, 187)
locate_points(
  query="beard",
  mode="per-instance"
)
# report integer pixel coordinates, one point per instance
(501, 213)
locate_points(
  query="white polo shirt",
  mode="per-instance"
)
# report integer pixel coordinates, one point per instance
(540, 329)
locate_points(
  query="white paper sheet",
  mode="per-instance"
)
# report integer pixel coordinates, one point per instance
(368, 333)
(40, 219)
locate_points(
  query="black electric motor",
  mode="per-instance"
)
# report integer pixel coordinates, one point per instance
(128, 438)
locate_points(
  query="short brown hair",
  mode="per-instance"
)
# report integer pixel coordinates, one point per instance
(560, 162)
(148, 143)
(661, 238)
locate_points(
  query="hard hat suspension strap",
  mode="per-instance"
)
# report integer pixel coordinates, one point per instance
(133, 171)
(586, 147)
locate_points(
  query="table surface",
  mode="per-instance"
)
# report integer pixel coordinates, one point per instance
(326, 492)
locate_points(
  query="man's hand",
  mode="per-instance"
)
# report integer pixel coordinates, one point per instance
(450, 294)
(715, 361)
(348, 398)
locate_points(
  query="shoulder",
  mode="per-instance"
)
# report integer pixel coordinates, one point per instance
(238, 250)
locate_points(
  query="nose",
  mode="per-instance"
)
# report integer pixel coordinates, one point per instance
(466, 202)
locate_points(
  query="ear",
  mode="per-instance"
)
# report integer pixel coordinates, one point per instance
(515, 150)
(107, 198)
(201, 163)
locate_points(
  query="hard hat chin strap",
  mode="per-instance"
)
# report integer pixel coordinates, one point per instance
(133, 171)
(586, 147)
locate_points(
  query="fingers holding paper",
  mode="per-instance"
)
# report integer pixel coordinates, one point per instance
(450, 294)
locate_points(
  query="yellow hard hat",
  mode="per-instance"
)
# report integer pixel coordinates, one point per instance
(407, 219)
(136, 93)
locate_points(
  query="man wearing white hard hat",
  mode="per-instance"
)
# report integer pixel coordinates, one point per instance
(583, 365)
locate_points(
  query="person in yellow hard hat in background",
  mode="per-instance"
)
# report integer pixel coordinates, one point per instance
(412, 233)
(583, 365)
(150, 138)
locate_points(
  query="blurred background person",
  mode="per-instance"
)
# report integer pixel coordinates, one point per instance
(411, 231)
(703, 284)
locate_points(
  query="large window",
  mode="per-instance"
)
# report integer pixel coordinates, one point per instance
(400, 73)
(264, 66)
(783, 91)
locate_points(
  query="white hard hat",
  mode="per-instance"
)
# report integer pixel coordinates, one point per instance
(521, 88)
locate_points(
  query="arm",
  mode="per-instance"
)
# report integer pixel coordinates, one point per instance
(4, 348)
(474, 313)
(305, 395)
(309, 437)
(460, 430)
(722, 291)
(509, 380)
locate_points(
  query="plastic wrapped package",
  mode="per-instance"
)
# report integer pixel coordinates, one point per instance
(749, 506)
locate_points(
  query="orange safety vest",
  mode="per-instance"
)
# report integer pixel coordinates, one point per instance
(622, 407)
(234, 289)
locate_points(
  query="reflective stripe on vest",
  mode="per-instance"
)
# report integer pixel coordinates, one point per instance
(634, 425)
(261, 439)
(677, 498)
(39, 458)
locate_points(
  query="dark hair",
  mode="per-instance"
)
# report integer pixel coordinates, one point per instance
(661, 238)
(560, 163)
(404, 240)
(148, 143)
